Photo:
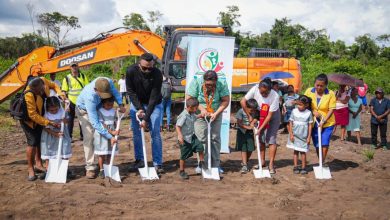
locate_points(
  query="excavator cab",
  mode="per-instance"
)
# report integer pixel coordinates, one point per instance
(176, 48)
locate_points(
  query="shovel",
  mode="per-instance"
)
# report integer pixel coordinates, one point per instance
(259, 173)
(147, 173)
(209, 173)
(58, 168)
(111, 171)
(320, 171)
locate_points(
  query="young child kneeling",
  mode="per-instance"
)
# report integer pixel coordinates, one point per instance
(102, 145)
(301, 122)
(189, 143)
(50, 135)
(245, 139)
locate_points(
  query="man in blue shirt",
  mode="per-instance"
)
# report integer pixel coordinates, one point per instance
(380, 108)
(88, 102)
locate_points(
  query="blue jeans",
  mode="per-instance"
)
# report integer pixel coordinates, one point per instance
(166, 106)
(154, 127)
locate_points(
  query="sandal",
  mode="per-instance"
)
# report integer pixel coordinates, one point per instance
(31, 178)
(39, 170)
(42, 175)
(303, 171)
(272, 171)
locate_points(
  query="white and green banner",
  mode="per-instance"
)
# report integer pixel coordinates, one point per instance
(212, 53)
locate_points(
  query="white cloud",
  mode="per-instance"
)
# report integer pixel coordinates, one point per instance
(344, 19)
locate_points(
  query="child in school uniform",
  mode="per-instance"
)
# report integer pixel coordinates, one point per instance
(50, 135)
(355, 106)
(187, 139)
(102, 145)
(245, 139)
(300, 128)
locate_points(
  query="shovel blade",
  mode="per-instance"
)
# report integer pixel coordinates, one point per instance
(211, 173)
(148, 173)
(57, 171)
(322, 172)
(113, 173)
(198, 170)
(261, 173)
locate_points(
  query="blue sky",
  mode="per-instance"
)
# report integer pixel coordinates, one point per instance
(343, 19)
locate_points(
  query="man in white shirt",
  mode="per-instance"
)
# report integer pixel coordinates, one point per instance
(53, 79)
(122, 88)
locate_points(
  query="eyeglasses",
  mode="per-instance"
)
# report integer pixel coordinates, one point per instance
(145, 68)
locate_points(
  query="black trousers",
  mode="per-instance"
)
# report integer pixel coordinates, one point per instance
(72, 111)
(124, 95)
(382, 131)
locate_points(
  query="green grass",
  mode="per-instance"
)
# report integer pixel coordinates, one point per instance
(368, 154)
(7, 123)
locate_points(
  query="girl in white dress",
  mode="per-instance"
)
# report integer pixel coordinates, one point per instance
(301, 121)
(51, 135)
(102, 145)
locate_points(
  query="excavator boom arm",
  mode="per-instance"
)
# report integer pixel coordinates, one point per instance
(47, 60)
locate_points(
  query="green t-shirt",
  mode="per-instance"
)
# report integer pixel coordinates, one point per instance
(241, 115)
(195, 90)
(186, 121)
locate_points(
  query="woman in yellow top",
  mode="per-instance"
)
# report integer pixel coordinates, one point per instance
(34, 95)
(323, 103)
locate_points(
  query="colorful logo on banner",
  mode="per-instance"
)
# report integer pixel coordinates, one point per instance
(209, 59)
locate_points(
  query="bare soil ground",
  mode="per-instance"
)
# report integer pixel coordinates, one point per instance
(360, 189)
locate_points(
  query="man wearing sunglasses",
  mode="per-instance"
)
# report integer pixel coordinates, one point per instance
(143, 82)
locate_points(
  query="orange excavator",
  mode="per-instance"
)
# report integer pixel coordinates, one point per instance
(171, 54)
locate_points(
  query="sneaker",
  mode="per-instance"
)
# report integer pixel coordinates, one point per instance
(101, 174)
(296, 170)
(90, 174)
(220, 170)
(244, 169)
(198, 169)
(303, 171)
(183, 175)
(384, 147)
(159, 169)
(137, 164)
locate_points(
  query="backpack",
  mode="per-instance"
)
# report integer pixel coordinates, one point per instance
(166, 90)
(18, 106)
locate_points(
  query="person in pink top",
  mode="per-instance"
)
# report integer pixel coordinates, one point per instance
(362, 92)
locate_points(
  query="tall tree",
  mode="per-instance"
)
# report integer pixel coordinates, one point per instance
(58, 25)
(288, 37)
(364, 48)
(135, 21)
(154, 18)
(30, 9)
(230, 18)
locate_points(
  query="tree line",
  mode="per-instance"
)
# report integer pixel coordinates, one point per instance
(367, 56)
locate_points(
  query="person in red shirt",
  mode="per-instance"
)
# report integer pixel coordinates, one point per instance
(362, 92)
